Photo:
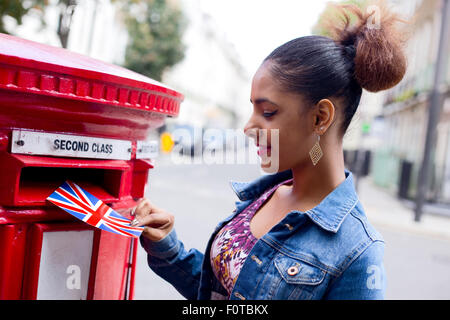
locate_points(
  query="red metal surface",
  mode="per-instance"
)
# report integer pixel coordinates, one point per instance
(93, 271)
(140, 177)
(19, 110)
(29, 215)
(132, 267)
(112, 266)
(12, 254)
(4, 141)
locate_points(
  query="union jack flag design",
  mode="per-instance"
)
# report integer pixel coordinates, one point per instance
(84, 206)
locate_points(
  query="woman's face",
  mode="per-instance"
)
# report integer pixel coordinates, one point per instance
(276, 111)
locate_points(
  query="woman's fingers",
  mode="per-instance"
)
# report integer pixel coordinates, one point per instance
(157, 223)
(140, 210)
(156, 220)
(132, 211)
(143, 208)
(154, 234)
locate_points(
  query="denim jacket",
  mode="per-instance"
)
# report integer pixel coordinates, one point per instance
(328, 252)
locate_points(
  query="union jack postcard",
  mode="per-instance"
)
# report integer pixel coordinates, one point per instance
(84, 206)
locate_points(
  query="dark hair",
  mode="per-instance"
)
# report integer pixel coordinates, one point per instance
(357, 56)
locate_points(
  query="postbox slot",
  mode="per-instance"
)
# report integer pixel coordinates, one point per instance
(29, 180)
(37, 183)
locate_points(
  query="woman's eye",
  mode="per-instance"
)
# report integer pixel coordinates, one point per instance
(268, 114)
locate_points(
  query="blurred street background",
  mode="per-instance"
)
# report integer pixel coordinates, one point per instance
(398, 145)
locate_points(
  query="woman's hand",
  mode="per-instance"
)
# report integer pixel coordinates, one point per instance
(157, 222)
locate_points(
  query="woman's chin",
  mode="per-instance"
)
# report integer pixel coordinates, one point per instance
(269, 166)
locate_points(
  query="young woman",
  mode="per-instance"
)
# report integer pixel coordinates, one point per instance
(301, 232)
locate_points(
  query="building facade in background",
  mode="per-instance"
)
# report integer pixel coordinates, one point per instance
(96, 29)
(404, 115)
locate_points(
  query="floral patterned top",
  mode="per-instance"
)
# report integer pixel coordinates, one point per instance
(234, 241)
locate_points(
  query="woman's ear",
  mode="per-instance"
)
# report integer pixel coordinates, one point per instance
(324, 115)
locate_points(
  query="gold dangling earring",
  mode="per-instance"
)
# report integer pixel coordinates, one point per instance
(316, 152)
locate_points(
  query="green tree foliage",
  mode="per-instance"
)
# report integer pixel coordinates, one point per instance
(16, 9)
(331, 14)
(155, 28)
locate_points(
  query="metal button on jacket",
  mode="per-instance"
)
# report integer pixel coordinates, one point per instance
(292, 271)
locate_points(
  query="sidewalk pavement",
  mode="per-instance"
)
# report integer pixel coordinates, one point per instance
(386, 210)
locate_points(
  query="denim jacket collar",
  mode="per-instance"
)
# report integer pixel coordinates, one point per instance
(328, 214)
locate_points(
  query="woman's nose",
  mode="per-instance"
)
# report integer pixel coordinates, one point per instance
(250, 129)
(252, 133)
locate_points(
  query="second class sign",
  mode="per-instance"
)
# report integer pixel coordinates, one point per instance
(62, 145)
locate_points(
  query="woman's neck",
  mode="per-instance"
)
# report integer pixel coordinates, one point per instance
(311, 183)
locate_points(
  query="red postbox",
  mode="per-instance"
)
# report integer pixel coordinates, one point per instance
(65, 116)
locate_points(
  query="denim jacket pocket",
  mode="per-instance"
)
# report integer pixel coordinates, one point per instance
(300, 279)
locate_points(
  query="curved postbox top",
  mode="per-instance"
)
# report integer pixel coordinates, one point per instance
(53, 89)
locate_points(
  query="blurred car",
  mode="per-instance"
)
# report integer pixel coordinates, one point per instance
(214, 140)
(187, 140)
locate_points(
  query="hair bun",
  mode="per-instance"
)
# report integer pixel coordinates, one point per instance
(350, 51)
(380, 62)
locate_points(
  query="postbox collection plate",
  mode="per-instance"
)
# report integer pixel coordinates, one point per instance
(65, 264)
